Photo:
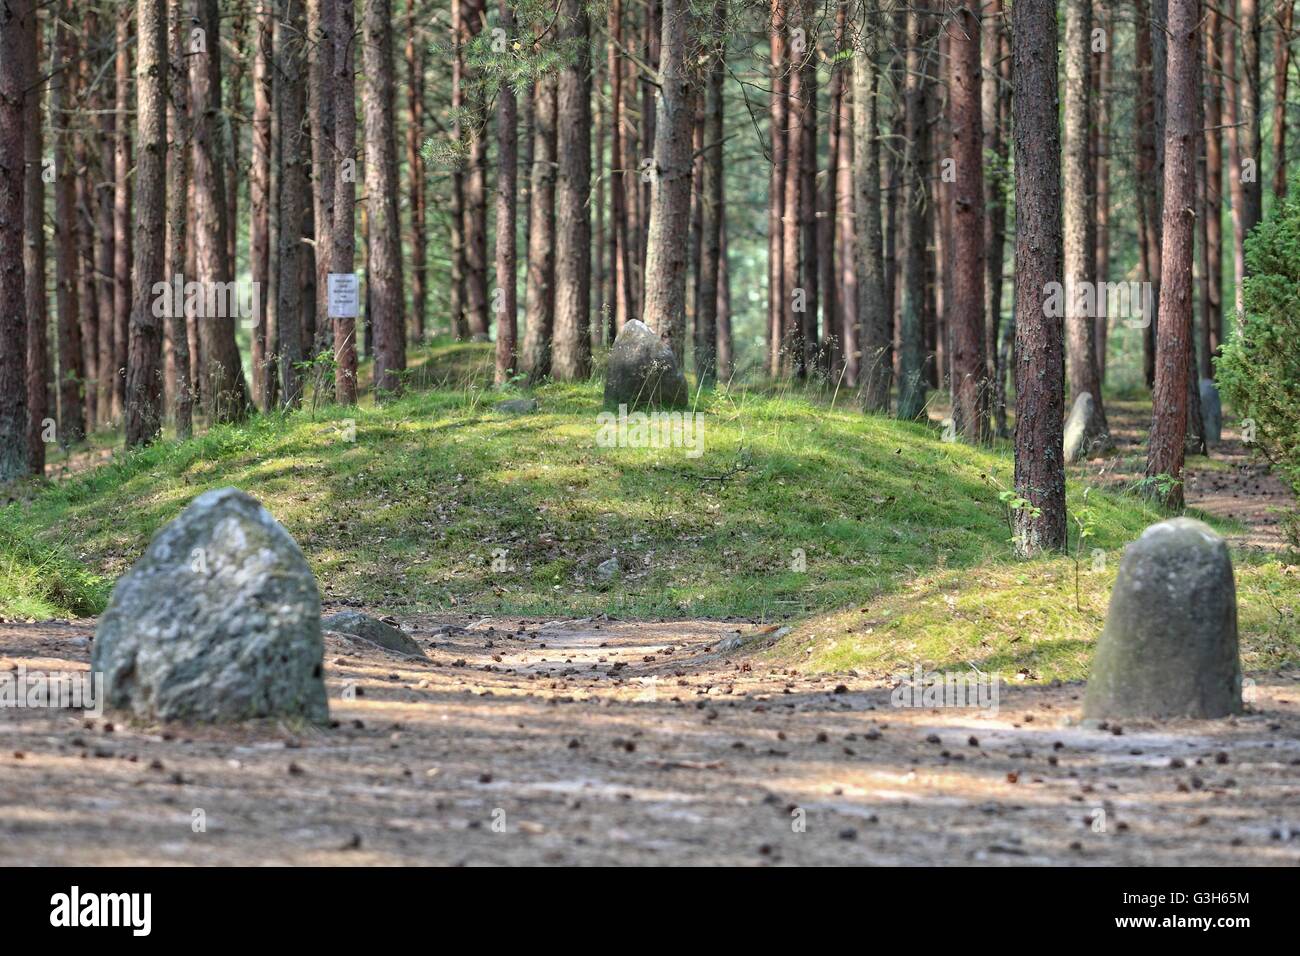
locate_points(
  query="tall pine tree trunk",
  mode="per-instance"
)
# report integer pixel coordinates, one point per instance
(706, 305)
(875, 367)
(1040, 472)
(539, 293)
(177, 208)
(911, 370)
(384, 272)
(670, 196)
(72, 368)
(1080, 257)
(225, 392)
(17, 17)
(571, 350)
(507, 196)
(144, 408)
(1169, 422)
(970, 382)
(342, 254)
(38, 346)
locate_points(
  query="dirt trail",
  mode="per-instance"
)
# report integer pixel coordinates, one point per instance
(606, 742)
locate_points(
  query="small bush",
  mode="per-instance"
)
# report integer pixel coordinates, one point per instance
(1259, 370)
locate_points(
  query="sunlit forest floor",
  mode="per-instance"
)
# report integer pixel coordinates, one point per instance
(734, 677)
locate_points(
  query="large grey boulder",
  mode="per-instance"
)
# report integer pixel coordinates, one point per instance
(1211, 411)
(1084, 435)
(642, 371)
(367, 628)
(219, 620)
(1169, 648)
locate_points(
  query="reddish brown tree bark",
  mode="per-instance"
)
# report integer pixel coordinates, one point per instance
(225, 391)
(571, 351)
(970, 382)
(144, 407)
(384, 271)
(72, 368)
(1040, 471)
(38, 346)
(1165, 450)
(341, 27)
(539, 293)
(17, 18)
(507, 158)
(177, 207)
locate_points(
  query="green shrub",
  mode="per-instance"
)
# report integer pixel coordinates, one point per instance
(1259, 370)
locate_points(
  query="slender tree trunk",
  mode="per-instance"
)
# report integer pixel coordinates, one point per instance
(122, 237)
(831, 353)
(571, 352)
(808, 348)
(846, 276)
(970, 377)
(144, 407)
(38, 346)
(670, 197)
(777, 119)
(620, 264)
(1251, 113)
(1169, 422)
(384, 272)
(476, 284)
(1148, 183)
(86, 207)
(415, 54)
(1079, 220)
(796, 293)
(1006, 336)
(320, 107)
(1238, 147)
(1213, 328)
(259, 202)
(17, 20)
(177, 176)
(291, 106)
(507, 159)
(875, 367)
(1281, 74)
(911, 368)
(226, 393)
(104, 253)
(72, 368)
(726, 361)
(539, 295)
(456, 231)
(706, 301)
(342, 255)
(1040, 470)
(1101, 86)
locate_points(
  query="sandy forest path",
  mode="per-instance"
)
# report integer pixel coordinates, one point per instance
(603, 742)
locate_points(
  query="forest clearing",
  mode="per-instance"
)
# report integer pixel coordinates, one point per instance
(648, 433)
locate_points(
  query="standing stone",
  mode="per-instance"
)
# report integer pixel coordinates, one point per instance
(642, 371)
(1169, 648)
(1211, 411)
(1083, 433)
(218, 621)
(355, 624)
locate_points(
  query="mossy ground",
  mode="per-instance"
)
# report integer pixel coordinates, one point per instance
(885, 544)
